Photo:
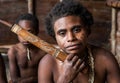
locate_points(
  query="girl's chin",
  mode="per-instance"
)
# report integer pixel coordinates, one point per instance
(73, 52)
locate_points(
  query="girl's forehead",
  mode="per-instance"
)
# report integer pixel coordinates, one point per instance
(67, 21)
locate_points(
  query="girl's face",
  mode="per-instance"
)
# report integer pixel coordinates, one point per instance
(70, 34)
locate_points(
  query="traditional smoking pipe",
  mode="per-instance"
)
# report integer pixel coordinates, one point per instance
(113, 3)
(48, 48)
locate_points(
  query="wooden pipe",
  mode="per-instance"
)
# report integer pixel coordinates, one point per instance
(115, 4)
(48, 48)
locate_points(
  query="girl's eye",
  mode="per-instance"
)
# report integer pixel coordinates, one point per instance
(61, 33)
(76, 29)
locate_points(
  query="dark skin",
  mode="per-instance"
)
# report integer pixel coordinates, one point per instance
(3, 78)
(23, 70)
(71, 37)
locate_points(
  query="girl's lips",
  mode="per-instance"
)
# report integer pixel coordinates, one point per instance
(73, 47)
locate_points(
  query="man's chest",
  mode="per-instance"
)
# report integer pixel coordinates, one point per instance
(25, 61)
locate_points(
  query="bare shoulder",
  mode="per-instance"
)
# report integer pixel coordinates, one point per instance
(13, 50)
(48, 59)
(46, 66)
(102, 53)
(104, 57)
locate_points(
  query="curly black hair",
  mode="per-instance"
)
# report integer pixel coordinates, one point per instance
(34, 20)
(65, 8)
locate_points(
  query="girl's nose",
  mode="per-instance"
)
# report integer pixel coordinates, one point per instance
(71, 37)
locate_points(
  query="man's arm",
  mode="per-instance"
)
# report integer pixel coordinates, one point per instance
(14, 70)
(113, 70)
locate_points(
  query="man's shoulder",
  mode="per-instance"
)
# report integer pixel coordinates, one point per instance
(15, 46)
(13, 50)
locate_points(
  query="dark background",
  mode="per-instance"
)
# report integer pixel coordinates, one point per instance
(11, 9)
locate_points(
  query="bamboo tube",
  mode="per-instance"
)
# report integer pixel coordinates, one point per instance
(115, 4)
(30, 7)
(113, 32)
(50, 49)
